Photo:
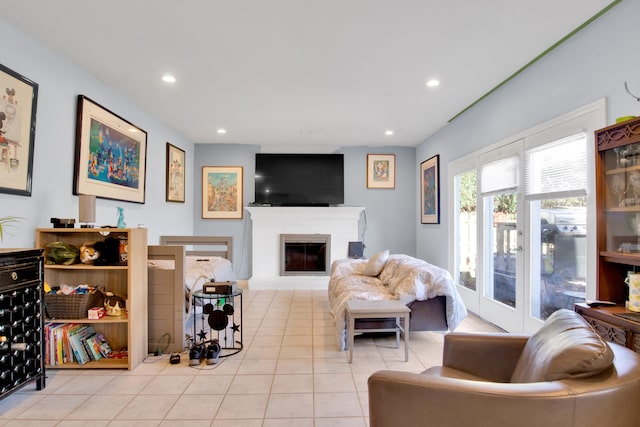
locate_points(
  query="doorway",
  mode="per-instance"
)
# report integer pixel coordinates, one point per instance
(520, 228)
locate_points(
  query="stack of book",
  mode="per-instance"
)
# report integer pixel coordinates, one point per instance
(74, 342)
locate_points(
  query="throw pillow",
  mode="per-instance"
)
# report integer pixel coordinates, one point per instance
(565, 347)
(376, 263)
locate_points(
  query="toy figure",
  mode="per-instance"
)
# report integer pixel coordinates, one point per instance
(109, 251)
(88, 253)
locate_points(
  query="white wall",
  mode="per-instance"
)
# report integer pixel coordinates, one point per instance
(60, 81)
(591, 65)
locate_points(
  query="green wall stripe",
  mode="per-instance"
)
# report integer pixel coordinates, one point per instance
(537, 58)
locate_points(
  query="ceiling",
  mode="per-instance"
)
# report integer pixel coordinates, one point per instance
(301, 73)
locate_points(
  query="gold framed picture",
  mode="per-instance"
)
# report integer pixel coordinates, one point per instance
(381, 171)
(222, 192)
(111, 154)
(175, 173)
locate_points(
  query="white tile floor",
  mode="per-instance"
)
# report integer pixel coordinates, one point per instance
(288, 374)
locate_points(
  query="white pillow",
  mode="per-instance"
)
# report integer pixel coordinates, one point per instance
(376, 263)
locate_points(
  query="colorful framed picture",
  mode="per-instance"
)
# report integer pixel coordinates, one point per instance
(222, 192)
(381, 171)
(175, 173)
(17, 131)
(430, 191)
(111, 155)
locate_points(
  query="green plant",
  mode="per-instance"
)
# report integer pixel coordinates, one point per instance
(7, 221)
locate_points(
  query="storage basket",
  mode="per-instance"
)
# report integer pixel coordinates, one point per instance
(75, 306)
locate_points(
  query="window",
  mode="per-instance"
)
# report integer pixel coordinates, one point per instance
(556, 188)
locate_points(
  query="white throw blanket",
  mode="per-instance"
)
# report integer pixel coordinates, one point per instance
(403, 278)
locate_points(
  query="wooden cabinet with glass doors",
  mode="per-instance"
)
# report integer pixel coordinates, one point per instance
(618, 207)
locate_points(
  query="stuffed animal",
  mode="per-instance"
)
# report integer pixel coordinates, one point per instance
(88, 253)
(61, 253)
(109, 251)
(114, 305)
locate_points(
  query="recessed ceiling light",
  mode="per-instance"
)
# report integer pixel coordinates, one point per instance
(388, 132)
(133, 130)
(168, 78)
(433, 83)
(221, 131)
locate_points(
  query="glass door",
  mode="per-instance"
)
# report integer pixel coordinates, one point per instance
(466, 234)
(501, 300)
(523, 223)
(556, 197)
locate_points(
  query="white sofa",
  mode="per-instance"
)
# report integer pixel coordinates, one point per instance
(427, 289)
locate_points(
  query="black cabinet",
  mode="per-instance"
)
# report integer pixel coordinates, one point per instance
(21, 320)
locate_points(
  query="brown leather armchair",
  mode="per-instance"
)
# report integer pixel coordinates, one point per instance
(564, 375)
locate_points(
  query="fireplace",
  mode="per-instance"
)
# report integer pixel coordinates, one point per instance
(305, 254)
(268, 224)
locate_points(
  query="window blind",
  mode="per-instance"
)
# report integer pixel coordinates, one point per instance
(499, 176)
(557, 169)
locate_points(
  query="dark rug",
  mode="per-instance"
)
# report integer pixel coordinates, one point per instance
(634, 317)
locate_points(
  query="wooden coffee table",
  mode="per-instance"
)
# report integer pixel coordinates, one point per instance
(381, 309)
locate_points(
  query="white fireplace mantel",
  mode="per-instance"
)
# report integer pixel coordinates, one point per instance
(268, 223)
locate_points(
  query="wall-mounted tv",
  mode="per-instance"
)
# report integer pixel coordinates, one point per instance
(299, 179)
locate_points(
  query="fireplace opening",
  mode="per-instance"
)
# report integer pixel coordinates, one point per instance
(305, 254)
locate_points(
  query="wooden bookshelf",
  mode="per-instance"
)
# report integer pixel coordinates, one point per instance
(129, 281)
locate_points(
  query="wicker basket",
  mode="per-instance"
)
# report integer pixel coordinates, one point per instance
(60, 306)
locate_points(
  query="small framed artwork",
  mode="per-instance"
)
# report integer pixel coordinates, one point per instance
(111, 155)
(430, 191)
(381, 171)
(175, 173)
(222, 192)
(17, 131)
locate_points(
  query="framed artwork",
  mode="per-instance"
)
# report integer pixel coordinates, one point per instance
(381, 171)
(430, 191)
(18, 102)
(175, 173)
(111, 155)
(222, 192)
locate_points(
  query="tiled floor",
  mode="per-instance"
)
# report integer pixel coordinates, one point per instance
(288, 374)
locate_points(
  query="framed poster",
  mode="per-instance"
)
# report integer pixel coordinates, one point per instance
(430, 191)
(175, 173)
(222, 192)
(18, 102)
(111, 155)
(381, 171)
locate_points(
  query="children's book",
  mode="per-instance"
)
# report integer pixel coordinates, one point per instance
(102, 344)
(93, 347)
(76, 339)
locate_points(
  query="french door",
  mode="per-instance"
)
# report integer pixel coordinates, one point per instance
(502, 235)
(520, 225)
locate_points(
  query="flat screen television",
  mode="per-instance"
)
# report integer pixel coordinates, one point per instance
(299, 179)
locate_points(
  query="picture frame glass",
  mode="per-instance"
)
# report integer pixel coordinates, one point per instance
(381, 171)
(18, 105)
(430, 191)
(222, 196)
(175, 174)
(110, 154)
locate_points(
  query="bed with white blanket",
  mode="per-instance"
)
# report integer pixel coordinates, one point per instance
(179, 266)
(427, 289)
